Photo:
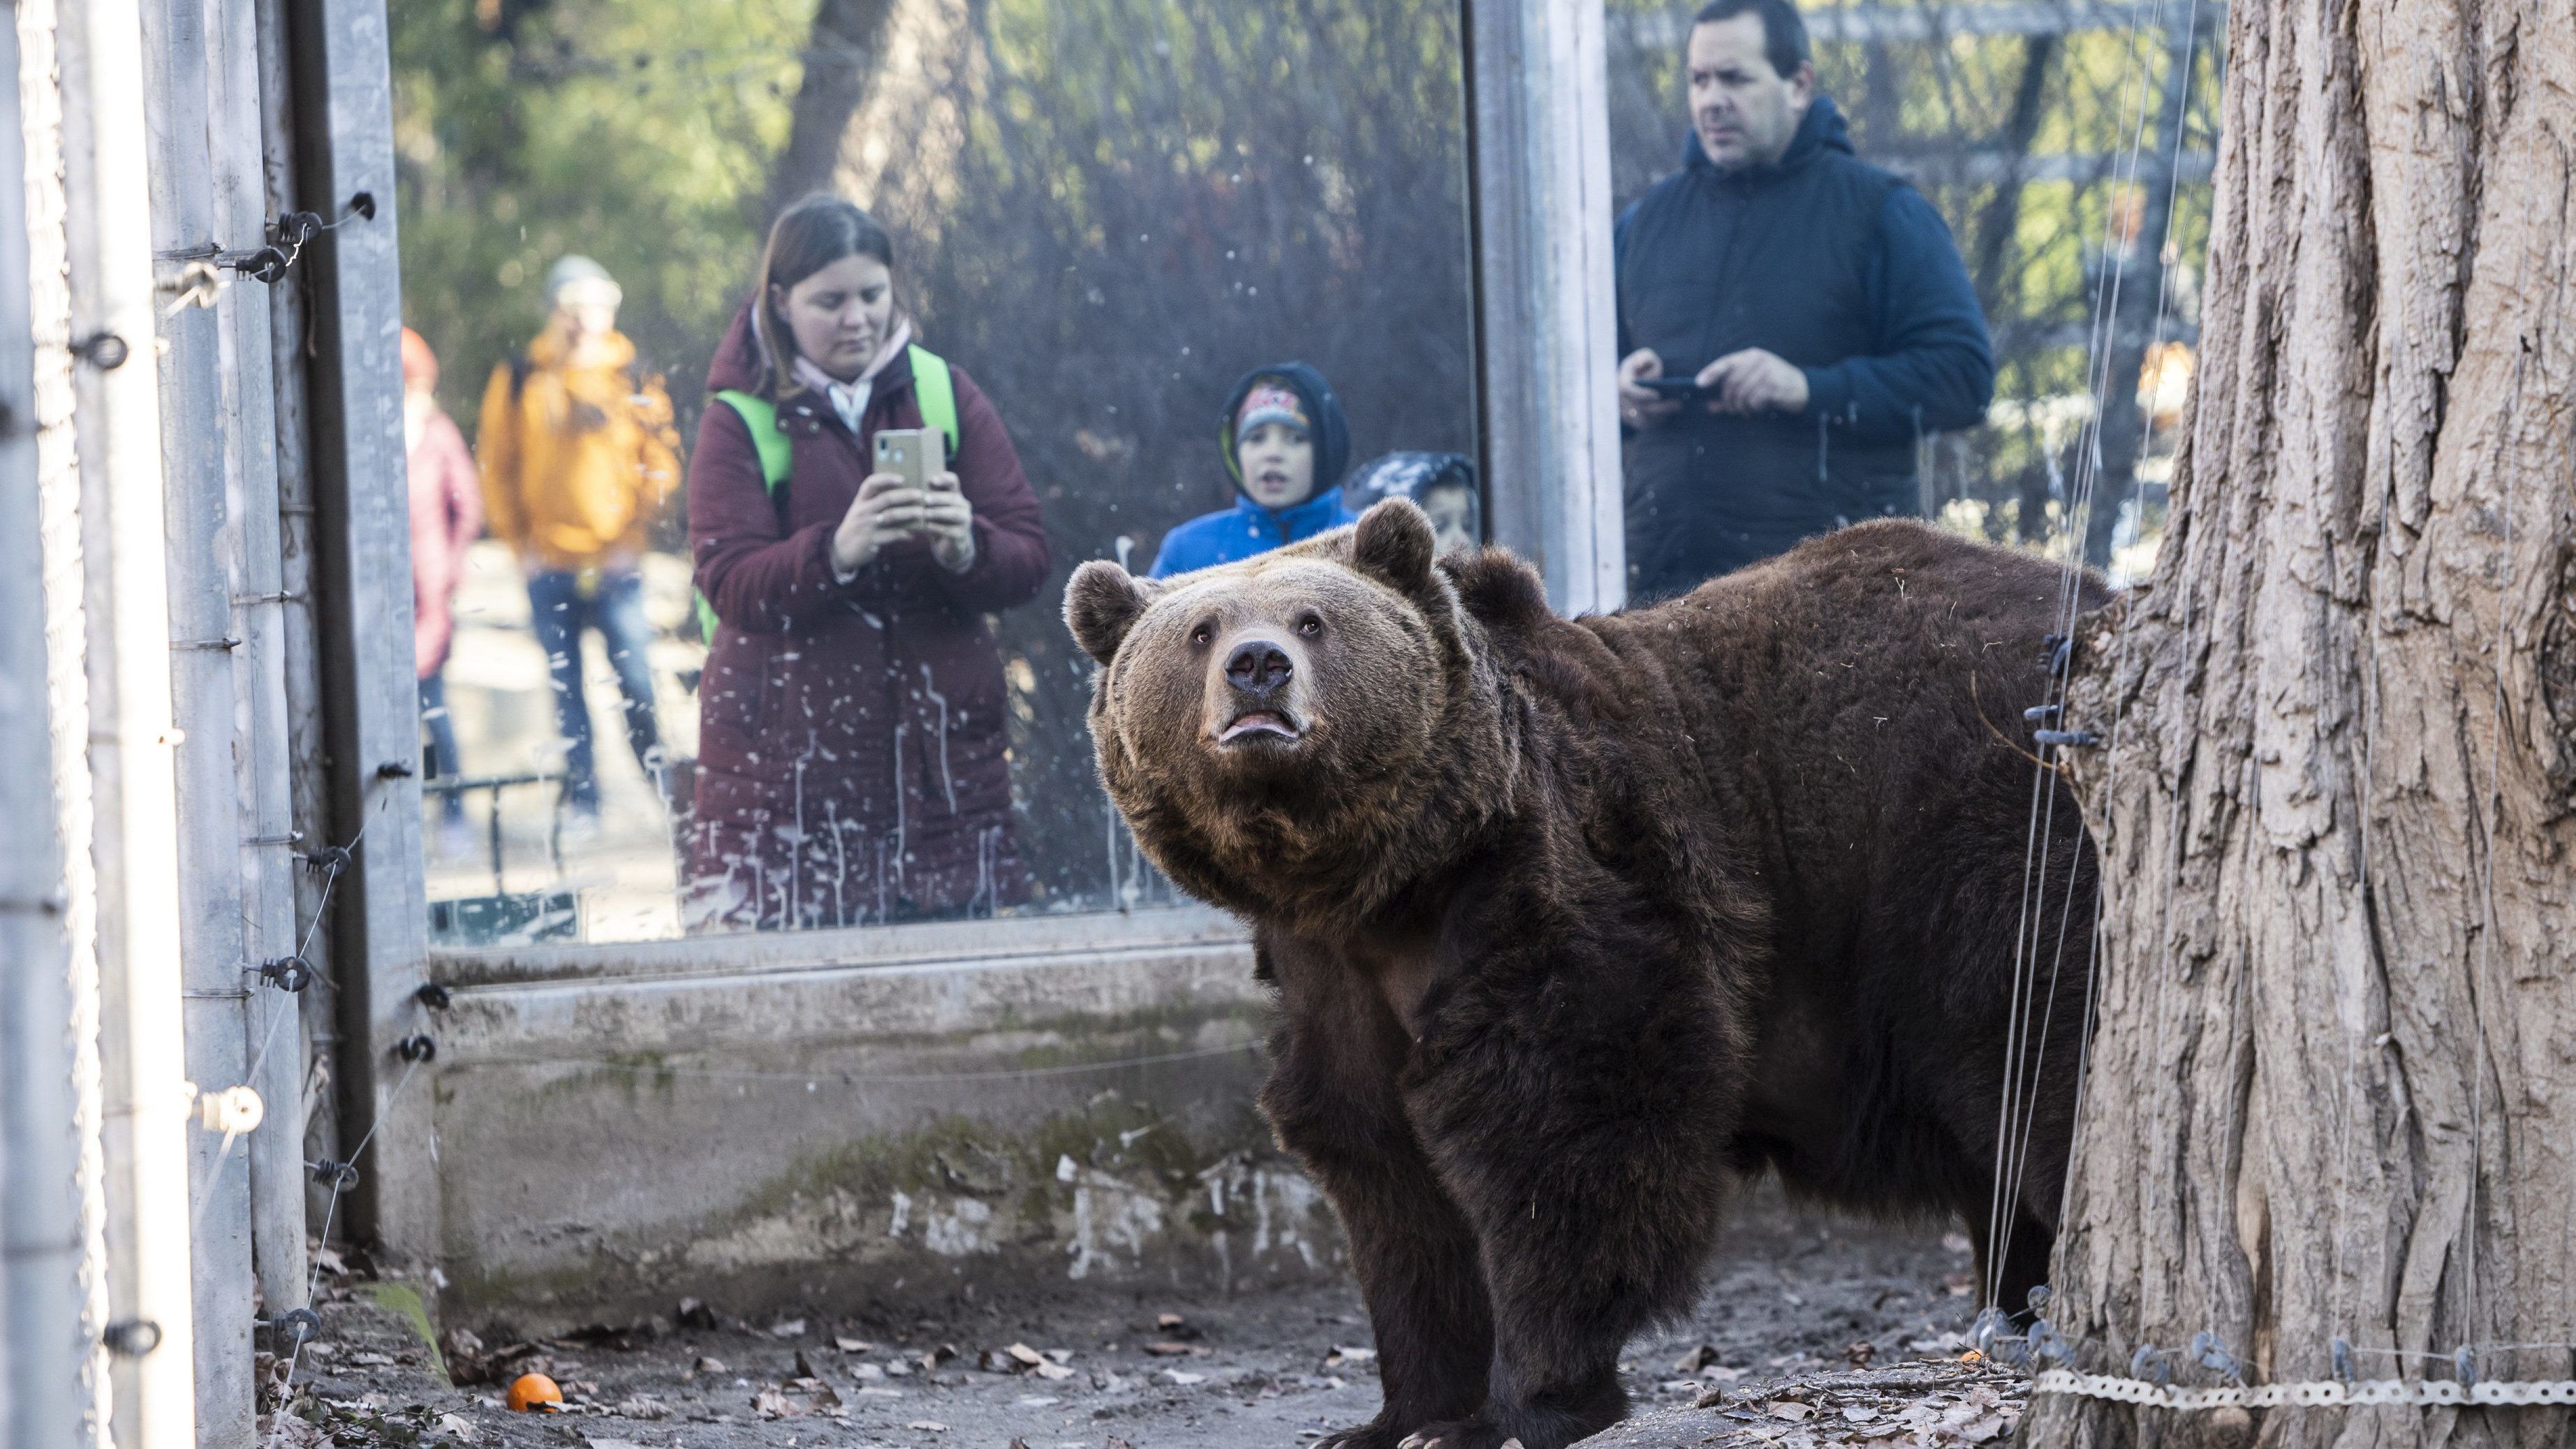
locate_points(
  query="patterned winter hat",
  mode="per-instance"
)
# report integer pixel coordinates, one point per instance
(1272, 401)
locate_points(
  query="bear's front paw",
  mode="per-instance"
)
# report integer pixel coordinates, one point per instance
(1376, 1434)
(1476, 1433)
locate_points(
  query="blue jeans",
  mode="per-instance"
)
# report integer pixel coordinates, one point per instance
(442, 739)
(615, 608)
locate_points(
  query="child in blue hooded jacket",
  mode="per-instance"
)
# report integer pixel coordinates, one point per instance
(1285, 445)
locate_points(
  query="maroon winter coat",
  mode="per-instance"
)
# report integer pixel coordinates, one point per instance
(850, 756)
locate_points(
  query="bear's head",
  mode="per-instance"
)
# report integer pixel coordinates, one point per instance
(1304, 735)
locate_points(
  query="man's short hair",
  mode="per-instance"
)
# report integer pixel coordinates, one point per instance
(1784, 35)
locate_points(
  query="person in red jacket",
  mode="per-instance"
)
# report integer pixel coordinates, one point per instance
(851, 762)
(446, 515)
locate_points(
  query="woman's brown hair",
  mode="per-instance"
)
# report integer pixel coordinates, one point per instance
(806, 238)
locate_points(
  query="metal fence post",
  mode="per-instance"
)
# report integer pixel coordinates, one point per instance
(42, 1347)
(1546, 332)
(342, 101)
(132, 738)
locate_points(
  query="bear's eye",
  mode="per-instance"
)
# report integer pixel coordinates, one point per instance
(1201, 635)
(1310, 626)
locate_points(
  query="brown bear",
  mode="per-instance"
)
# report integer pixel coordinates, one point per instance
(1574, 923)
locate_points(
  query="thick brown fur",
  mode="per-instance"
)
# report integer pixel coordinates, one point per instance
(1575, 923)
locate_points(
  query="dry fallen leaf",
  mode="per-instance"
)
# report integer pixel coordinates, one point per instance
(931, 1425)
(458, 1425)
(1052, 1371)
(1789, 1409)
(1167, 1350)
(1183, 1377)
(853, 1345)
(706, 1365)
(771, 1404)
(286, 1431)
(788, 1328)
(1024, 1355)
(641, 1406)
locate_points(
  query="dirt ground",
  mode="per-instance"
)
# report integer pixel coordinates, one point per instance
(1771, 1355)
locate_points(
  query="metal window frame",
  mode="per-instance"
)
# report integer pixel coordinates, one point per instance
(1538, 134)
(1538, 144)
(339, 80)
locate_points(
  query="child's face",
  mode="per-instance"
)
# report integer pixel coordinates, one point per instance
(1278, 464)
(1453, 519)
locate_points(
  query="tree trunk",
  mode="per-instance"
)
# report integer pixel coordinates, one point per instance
(841, 60)
(883, 110)
(2333, 1081)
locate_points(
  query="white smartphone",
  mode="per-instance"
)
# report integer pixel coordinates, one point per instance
(916, 455)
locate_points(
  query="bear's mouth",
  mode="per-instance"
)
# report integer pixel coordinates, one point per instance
(1259, 724)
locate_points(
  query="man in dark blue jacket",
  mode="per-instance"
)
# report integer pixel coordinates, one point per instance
(1816, 302)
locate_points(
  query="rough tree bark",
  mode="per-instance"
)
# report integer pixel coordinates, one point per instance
(883, 110)
(841, 62)
(2333, 1084)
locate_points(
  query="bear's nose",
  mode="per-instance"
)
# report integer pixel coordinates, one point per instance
(1258, 666)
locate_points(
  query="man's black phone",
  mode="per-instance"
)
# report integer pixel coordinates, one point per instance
(1674, 389)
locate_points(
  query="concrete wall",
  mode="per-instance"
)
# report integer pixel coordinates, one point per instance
(841, 1118)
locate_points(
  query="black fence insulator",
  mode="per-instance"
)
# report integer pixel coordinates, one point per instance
(297, 1327)
(107, 352)
(287, 973)
(340, 1175)
(295, 229)
(417, 1047)
(2149, 1363)
(330, 859)
(267, 264)
(2039, 714)
(434, 995)
(396, 770)
(133, 1337)
(2067, 739)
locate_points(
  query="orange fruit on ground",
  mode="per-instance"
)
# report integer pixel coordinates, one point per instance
(532, 1390)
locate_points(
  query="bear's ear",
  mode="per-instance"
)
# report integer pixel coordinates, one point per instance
(1394, 545)
(1101, 603)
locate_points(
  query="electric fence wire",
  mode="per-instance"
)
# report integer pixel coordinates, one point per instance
(2018, 1111)
(332, 863)
(309, 1328)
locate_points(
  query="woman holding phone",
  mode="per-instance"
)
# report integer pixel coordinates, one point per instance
(855, 510)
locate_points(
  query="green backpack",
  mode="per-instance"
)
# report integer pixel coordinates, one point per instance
(932, 387)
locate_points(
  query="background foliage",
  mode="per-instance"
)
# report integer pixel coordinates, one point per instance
(638, 132)
(1108, 209)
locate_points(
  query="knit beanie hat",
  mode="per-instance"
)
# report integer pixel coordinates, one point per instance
(1272, 401)
(572, 268)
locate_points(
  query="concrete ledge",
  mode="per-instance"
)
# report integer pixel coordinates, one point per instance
(764, 1121)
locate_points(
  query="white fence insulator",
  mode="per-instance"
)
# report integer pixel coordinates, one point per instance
(234, 1111)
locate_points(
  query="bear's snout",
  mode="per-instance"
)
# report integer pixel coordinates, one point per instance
(1257, 689)
(1259, 667)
